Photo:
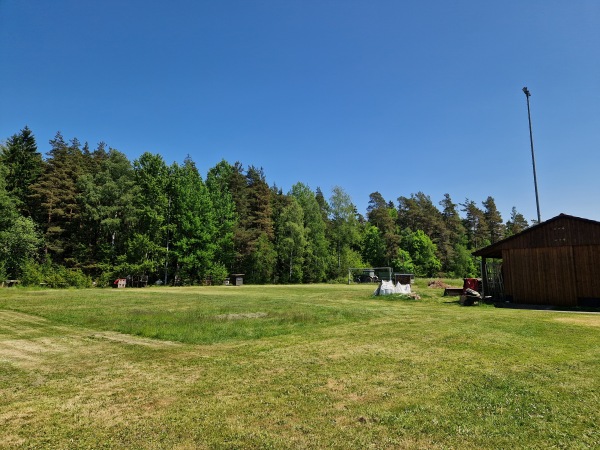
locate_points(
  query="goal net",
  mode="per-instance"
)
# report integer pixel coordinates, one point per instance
(369, 274)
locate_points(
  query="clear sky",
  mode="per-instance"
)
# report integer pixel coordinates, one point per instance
(389, 96)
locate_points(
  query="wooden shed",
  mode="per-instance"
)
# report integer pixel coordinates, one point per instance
(556, 262)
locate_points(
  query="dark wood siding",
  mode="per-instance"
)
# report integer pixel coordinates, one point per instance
(587, 269)
(557, 233)
(540, 276)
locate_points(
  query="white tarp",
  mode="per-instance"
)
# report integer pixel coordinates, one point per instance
(388, 288)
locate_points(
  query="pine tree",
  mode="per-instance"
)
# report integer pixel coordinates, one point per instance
(24, 163)
(493, 219)
(258, 257)
(452, 242)
(56, 196)
(316, 252)
(148, 244)
(419, 213)
(478, 234)
(516, 223)
(323, 205)
(383, 216)
(218, 184)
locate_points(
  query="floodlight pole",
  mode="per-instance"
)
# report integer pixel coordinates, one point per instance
(537, 200)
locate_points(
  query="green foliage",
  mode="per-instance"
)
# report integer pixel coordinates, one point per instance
(218, 185)
(476, 226)
(422, 252)
(108, 208)
(24, 164)
(404, 263)
(383, 215)
(373, 246)
(516, 224)
(56, 194)
(291, 241)
(32, 274)
(218, 273)
(344, 232)
(97, 212)
(462, 264)
(316, 253)
(19, 239)
(193, 223)
(53, 276)
(493, 220)
(19, 243)
(261, 263)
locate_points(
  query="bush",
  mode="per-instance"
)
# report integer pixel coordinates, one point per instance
(218, 273)
(53, 276)
(32, 274)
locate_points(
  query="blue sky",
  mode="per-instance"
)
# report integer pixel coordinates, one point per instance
(389, 96)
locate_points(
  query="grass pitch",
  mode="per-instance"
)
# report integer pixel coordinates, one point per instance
(316, 366)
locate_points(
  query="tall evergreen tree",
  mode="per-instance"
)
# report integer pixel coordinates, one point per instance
(452, 242)
(493, 219)
(316, 252)
(24, 164)
(259, 257)
(383, 216)
(193, 224)
(218, 184)
(516, 223)
(323, 205)
(419, 213)
(476, 228)
(55, 194)
(148, 244)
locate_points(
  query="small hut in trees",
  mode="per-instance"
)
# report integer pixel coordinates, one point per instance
(556, 262)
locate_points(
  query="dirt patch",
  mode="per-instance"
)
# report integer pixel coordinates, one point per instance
(256, 315)
(133, 340)
(588, 321)
(35, 341)
(438, 284)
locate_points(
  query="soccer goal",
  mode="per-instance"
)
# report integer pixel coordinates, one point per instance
(369, 274)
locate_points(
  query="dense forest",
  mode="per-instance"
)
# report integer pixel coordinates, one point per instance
(78, 216)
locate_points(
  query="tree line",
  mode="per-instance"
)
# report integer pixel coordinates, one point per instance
(78, 216)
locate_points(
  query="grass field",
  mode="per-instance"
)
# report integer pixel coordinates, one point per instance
(317, 366)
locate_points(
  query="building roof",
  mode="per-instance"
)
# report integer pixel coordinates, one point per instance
(551, 233)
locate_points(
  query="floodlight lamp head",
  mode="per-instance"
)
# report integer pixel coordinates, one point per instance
(526, 91)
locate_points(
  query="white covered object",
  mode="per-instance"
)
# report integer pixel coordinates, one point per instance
(388, 288)
(402, 288)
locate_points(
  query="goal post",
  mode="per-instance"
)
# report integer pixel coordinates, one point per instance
(369, 274)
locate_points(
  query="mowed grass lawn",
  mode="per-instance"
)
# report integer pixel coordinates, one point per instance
(317, 366)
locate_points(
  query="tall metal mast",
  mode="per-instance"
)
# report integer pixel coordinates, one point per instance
(537, 200)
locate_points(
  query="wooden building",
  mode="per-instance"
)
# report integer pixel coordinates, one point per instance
(556, 262)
